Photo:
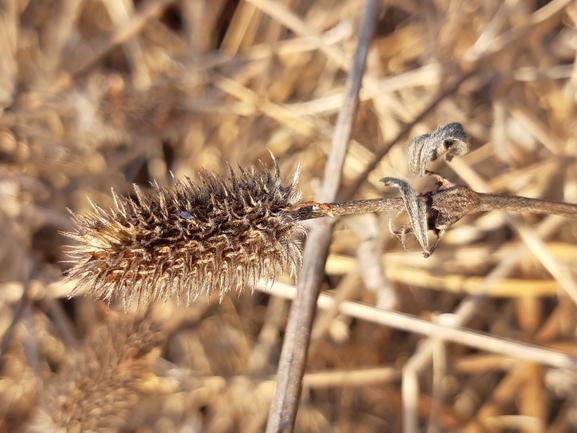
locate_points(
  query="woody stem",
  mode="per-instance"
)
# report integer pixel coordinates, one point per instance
(489, 202)
(524, 204)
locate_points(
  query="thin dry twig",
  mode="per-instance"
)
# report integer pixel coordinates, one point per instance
(438, 209)
(449, 332)
(295, 346)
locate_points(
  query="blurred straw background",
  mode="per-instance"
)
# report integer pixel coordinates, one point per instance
(97, 94)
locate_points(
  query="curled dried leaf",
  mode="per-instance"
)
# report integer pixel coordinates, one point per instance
(446, 142)
(416, 208)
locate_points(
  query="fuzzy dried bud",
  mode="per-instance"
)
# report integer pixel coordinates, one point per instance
(445, 143)
(190, 240)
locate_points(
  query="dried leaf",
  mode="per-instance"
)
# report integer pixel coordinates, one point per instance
(446, 142)
(416, 208)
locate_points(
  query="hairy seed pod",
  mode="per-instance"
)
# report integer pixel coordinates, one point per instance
(189, 240)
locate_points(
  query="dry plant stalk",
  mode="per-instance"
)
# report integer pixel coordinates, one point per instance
(223, 235)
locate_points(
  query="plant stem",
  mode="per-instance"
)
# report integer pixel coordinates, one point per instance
(491, 202)
(310, 210)
(364, 206)
(487, 203)
(293, 356)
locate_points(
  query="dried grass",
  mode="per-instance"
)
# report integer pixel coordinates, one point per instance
(100, 94)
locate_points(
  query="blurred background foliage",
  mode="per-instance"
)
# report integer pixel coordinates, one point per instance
(100, 94)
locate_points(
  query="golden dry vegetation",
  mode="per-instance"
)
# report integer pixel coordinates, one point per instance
(101, 94)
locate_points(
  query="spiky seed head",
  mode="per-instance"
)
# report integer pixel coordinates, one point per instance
(189, 240)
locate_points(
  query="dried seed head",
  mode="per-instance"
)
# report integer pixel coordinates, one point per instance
(193, 239)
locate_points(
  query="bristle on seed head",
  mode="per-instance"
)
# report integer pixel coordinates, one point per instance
(189, 240)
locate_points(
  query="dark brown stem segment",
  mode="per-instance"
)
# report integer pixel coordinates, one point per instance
(523, 204)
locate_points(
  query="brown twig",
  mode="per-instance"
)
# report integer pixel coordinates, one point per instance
(295, 347)
(491, 202)
(311, 210)
(454, 332)
(22, 311)
(482, 203)
(436, 210)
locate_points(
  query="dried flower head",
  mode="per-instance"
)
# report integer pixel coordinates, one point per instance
(193, 239)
